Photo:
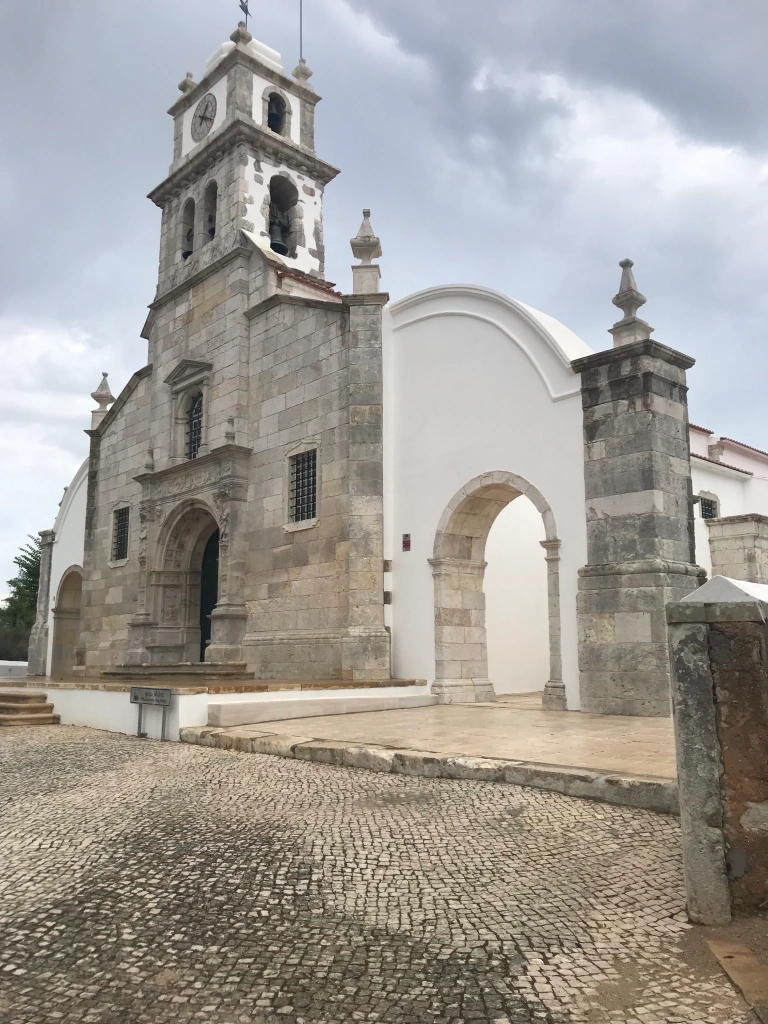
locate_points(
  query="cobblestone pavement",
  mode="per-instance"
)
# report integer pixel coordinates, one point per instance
(145, 883)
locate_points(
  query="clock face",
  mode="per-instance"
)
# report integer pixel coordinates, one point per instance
(204, 116)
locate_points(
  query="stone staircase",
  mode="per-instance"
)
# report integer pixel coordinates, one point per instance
(26, 707)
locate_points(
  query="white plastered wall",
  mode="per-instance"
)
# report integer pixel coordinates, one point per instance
(311, 207)
(737, 495)
(69, 543)
(479, 383)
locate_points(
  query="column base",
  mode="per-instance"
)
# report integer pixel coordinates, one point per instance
(464, 691)
(554, 698)
(228, 624)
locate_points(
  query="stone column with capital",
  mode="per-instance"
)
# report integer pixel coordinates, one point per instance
(37, 658)
(639, 514)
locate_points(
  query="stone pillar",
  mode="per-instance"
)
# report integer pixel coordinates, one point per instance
(554, 698)
(639, 517)
(37, 657)
(366, 646)
(461, 653)
(718, 641)
(739, 547)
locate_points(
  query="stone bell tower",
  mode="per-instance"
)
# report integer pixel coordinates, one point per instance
(235, 521)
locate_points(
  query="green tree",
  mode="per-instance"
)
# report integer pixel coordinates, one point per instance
(17, 612)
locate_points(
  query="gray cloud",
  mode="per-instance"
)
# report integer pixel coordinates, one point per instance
(525, 146)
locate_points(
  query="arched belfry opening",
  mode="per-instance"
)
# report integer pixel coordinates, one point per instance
(211, 201)
(283, 214)
(66, 623)
(188, 229)
(276, 113)
(459, 564)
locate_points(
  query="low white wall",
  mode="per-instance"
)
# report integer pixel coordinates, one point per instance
(13, 669)
(113, 712)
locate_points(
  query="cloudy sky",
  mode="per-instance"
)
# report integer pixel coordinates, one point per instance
(528, 145)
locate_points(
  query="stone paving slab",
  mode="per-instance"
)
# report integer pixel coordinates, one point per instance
(511, 731)
(625, 790)
(164, 883)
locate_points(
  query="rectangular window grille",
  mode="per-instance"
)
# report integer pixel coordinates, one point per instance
(304, 486)
(194, 426)
(120, 534)
(708, 508)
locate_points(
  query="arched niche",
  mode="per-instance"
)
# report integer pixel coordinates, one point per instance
(66, 622)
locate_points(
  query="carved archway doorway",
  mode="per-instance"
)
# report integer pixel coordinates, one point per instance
(458, 566)
(66, 623)
(186, 586)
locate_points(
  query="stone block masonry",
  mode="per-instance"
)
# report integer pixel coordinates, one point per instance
(739, 547)
(719, 653)
(639, 524)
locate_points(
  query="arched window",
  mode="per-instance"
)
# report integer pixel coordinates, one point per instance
(284, 197)
(211, 202)
(194, 437)
(276, 111)
(188, 229)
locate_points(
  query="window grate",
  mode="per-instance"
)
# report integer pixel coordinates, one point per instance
(195, 426)
(708, 508)
(120, 534)
(304, 486)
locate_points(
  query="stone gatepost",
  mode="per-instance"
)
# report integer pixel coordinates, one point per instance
(639, 514)
(37, 656)
(718, 642)
(739, 547)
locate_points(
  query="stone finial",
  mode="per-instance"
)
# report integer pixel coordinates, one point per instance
(241, 34)
(104, 398)
(366, 247)
(188, 84)
(149, 465)
(302, 73)
(229, 434)
(629, 299)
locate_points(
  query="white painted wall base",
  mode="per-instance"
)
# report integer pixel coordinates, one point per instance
(13, 670)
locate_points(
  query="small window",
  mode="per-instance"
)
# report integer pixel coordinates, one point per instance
(195, 425)
(304, 486)
(709, 509)
(120, 534)
(276, 114)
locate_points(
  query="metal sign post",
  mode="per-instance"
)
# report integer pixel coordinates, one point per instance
(153, 697)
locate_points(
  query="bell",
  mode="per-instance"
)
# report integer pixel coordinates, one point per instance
(276, 242)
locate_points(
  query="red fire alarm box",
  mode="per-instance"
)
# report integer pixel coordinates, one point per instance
(406, 542)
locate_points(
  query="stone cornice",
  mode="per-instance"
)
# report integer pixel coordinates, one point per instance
(647, 347)
(241, 130)
(200, 275)
(229, 462)
(292, 300)
(120, 401)
(240, 55)
(367, 299)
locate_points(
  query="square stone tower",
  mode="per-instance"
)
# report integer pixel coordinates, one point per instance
(235, 514)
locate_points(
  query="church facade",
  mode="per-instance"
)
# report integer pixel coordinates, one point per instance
(300, 483)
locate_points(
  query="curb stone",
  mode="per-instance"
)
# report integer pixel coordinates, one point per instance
(652, 794)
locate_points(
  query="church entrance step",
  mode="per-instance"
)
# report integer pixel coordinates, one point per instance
(198, 671)
(26, 708)
(253, 712)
